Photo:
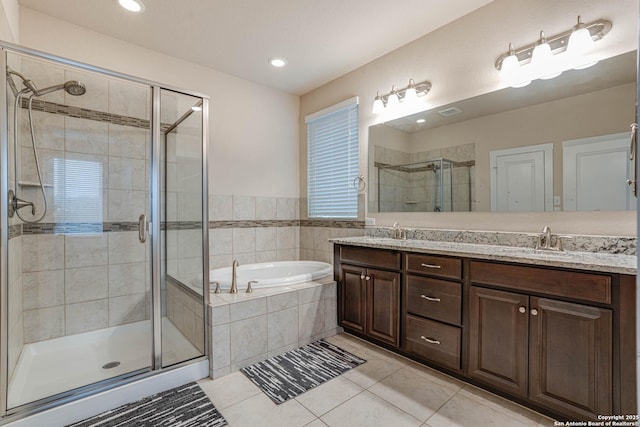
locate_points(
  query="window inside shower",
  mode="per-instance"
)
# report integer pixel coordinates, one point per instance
(81, 301)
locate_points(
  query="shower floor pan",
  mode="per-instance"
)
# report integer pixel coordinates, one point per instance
(53, 366)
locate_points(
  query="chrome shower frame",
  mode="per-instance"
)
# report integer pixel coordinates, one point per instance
(8, 415)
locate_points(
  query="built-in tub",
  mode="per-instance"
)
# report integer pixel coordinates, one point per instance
(294, 303)
(271, 274)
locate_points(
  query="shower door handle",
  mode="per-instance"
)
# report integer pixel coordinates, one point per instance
(142, 228)
(633, 154)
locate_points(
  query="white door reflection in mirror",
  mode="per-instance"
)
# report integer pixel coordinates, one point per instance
(595, 171)
(522, 179)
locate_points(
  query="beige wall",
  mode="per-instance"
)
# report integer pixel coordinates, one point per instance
(458, 59)
(592, 114)
(253, 142)
(9, 20)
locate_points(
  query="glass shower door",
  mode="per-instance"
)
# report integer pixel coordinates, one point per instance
(182, 283)
(79, 269)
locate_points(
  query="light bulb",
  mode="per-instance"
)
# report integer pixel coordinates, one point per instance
(132, 5)
(580, 40)
(378, 105)
(393, 100)
(579, 45)
(542, 60)
(410, 94)
(510, 64)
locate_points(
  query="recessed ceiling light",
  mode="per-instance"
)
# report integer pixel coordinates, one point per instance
(132, 5)
(278, 62)
(420, 121)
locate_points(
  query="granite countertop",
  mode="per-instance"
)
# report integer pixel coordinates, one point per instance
(592, 261)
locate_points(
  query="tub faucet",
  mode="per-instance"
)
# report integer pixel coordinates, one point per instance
(234, 285)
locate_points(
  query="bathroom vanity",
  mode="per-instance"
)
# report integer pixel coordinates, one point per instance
(553, 331)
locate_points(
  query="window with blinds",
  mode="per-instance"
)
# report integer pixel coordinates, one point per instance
(332, 161)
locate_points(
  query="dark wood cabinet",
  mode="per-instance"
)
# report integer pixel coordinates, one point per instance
(561, 341)
(570, 358)
(369, 298)
(383, 305)
(352, 301)
(554, 353)
(499, 339)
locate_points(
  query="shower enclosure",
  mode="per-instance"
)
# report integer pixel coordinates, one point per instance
(103, 230)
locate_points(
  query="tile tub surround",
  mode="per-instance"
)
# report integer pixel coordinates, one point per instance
(247, 328)
(573, 243)
(604, 262)
(184, 309)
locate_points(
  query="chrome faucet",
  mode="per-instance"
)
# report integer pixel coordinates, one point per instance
(234, 285)
(544, 241)
(398, 232)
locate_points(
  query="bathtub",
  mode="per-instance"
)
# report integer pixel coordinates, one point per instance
(272, 274)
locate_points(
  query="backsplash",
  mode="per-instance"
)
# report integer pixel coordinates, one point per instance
(577, 243)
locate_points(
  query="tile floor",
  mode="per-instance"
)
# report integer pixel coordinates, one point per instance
(388, 390)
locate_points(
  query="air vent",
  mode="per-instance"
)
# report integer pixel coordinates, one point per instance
(451, 111)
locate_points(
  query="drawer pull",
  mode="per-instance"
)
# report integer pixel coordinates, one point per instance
(429, 340)
(430, 265)
(430, 298)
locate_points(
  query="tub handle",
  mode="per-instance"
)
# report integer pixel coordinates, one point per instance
(142, 228)
(217, 291)
(249, 283)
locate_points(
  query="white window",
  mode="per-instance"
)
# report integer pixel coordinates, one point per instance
(332, 161)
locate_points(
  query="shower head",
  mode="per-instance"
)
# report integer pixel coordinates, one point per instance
(72, 87)
(75, 88)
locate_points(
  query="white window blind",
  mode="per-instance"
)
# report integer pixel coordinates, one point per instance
(332, 161)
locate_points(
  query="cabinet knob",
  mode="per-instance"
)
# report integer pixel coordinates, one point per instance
(522, 310)
(428, 298)
(534, 312)
(429, 340)
(367, 278)
(361, 276)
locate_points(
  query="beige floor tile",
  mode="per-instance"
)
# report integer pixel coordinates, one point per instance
(463, 411)
(371, 372)
(524, 415)
(367, 410)
(411, 391)
(260, 411)
(329, 395)
(229, 390)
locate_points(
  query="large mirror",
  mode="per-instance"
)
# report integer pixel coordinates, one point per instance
(559, 144)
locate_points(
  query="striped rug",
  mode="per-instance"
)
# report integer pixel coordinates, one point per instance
(290, 374)
(184, 406)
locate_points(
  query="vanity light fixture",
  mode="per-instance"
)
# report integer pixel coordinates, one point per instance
(404, 96)
(550, 56)
(132, 5)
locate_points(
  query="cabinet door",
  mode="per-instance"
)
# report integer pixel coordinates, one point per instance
(352, 297)
(499, 338)
(570, 358)
(383, 306)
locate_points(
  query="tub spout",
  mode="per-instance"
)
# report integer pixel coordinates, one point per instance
(234, 285)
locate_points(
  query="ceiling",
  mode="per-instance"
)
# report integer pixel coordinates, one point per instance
(321, 39)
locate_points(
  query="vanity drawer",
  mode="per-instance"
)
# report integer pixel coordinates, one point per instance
(433, 341)
(450, 268)
(569, 284)
(435, 299)
(376, 257)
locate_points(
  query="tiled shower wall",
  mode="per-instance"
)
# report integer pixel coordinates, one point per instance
(75, 277)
